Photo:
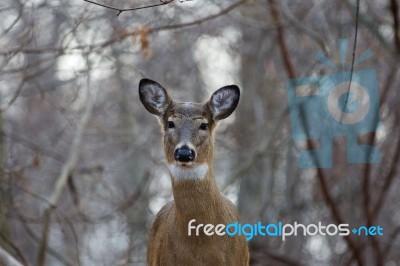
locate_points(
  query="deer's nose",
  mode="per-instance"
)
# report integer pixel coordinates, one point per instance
(184, 154)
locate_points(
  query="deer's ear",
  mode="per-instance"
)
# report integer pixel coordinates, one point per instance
(154, 97)
(224, 101)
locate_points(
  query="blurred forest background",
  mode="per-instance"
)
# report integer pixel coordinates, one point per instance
(82, 171)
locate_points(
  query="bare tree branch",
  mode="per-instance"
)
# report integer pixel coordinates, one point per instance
(353, 55)
(391, 241)
(63, 50)
(389, 178)
(66, 170)
(294, 22)
(17, 251)
(394, 7)
(120, 10)
(281, 39)
(199, 21)
(35, 238)
(7, 259)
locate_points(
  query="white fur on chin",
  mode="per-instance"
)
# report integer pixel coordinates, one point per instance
(195, 172)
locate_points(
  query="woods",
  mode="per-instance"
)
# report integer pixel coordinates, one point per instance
(83, 172)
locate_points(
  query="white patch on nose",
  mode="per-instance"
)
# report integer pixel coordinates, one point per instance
(195, 172)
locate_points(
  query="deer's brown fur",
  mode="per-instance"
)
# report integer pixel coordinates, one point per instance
(196, 195)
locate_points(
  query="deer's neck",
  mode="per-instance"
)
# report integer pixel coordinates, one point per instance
(198, 199)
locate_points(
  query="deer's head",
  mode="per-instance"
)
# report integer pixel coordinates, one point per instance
(188, 127)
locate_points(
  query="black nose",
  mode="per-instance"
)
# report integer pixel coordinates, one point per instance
(184, 154)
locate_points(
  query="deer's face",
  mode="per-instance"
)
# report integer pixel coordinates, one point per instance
(188, 127)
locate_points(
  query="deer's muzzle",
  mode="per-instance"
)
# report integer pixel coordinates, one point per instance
(184, 154)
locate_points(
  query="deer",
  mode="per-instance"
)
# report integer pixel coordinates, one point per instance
(188, 134)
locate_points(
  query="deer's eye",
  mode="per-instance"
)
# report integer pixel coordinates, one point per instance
(203, 126)
(170, 124)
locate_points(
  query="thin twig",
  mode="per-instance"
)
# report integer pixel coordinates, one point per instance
(353, 56)
(199, 21)
(120, 10)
